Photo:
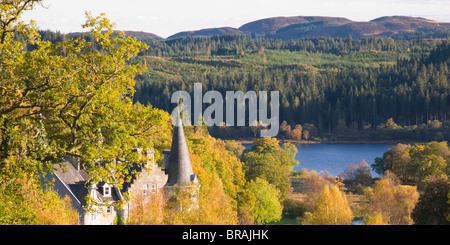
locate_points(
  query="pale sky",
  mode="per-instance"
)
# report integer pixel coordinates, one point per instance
(167, 17)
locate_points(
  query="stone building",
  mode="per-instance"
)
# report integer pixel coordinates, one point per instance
(70, 180)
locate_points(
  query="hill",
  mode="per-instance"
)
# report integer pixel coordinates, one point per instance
(281, 26)
(136, 34)
(141, 34)
(296, 27)
(208, 32)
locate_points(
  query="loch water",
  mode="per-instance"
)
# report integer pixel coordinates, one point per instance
(335, 157)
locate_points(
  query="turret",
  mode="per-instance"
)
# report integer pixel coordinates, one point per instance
(179, 166)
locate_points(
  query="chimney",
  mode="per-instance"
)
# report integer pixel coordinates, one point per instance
(150, 154)
(75, 161)
(166, 153)
(93, 191)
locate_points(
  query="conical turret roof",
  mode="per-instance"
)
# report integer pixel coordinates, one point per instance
(180, 169)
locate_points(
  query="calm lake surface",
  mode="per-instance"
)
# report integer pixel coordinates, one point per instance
(335, 157)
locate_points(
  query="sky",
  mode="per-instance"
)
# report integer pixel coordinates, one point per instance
(167, 17)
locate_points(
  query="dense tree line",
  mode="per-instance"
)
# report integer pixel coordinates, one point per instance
(411, 86)
(235, 44)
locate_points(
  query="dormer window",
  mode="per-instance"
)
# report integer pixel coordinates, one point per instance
(145, 188)
(106, 191)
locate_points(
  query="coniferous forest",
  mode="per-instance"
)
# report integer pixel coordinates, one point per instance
(333, 86)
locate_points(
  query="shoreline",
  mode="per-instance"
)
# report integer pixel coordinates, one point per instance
(299, 142)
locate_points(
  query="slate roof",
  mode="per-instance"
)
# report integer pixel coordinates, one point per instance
(179, 168)
(76, 181)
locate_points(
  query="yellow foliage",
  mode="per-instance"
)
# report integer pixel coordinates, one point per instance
(215, 207)
(41, 207)
(51, 210)
(390, 200)
(331, 208)
(314, 183)
(377, 219)
(148, 212)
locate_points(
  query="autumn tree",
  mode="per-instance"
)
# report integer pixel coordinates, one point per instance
(435, 124)
(433, 206)
(285, 130)
(34, 206)
(234, 147)
(390, 124)
(428, 159)
(377, 219)
(415, 163)
(52, 210)
(296, 133)
(312, 184)
(306, 134)
(396, 160)
(215, 206)
(331, 208)
(247, 207)
(148, 211)
(69, 99)
(220, 176)
(393, 201)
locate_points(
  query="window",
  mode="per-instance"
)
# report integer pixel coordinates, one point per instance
(145, 187)
(107, 191)
(109, 210)
(154, 188)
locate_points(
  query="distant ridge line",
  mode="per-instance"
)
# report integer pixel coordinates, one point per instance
(297, 27)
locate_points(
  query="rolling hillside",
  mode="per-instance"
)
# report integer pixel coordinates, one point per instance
(314, 26)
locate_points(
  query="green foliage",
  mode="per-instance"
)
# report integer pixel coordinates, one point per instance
(395, 159)
(17, 210)
(270, 161)
(267, 205)
(433, 206)
(417, 162)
